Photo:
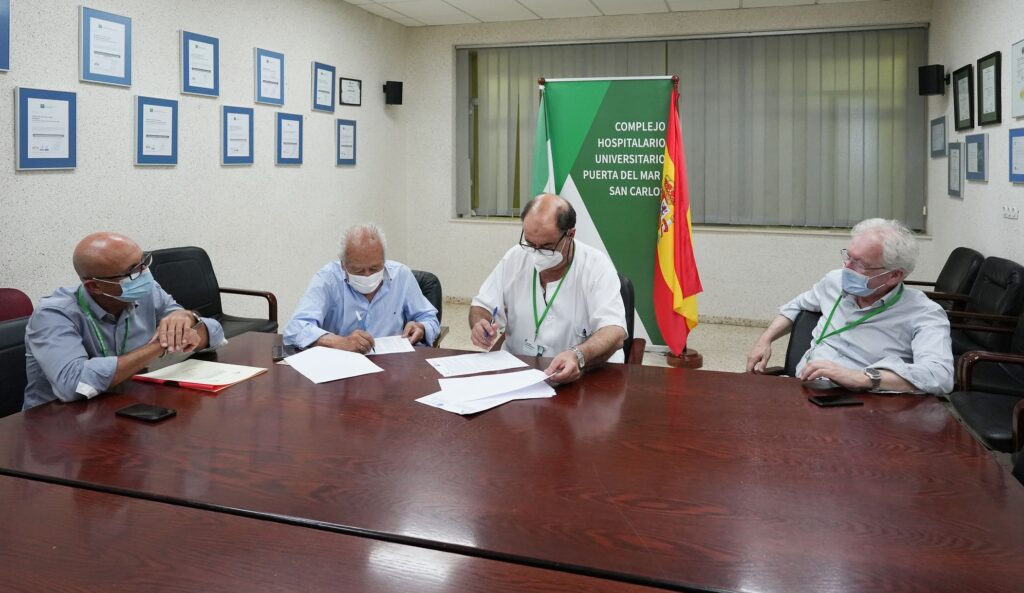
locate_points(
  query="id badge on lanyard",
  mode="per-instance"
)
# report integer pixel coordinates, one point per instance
(532, 348)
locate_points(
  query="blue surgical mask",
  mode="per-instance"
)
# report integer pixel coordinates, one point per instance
(134, 290)
(856, 283)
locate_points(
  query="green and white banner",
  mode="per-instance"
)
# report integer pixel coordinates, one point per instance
(601, 145)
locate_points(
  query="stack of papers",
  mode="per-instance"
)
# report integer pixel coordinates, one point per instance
(320, 364)
(470, 395)
(391, 345)
(201, 374)
(469, 364)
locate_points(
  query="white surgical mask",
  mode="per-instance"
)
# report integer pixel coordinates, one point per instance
(856, 283)
(366, 284)
(543, 262)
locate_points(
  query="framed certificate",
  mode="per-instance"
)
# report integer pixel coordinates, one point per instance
(955, 170)
(156, 131)
(1017, 79)
(351, 91)
(938, 140)
(236, 135)
(1017, 155)
(5, 34)
(105, 43)
(323, 87)
(990, 100)
(269, 77)
(200, 64)
(976, 157)
(345, 151)
(963, 98)
(288, 143)
(45, 124)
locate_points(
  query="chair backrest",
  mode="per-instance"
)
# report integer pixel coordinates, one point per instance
(186, 273)
(799, 340)
(998, 290)
(629, 304)
(14, 304)
(960, 271)
(12, 365)
(430, 286)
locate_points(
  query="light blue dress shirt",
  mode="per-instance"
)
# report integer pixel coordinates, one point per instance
(911, 338)
(331, 305)
(63, 357)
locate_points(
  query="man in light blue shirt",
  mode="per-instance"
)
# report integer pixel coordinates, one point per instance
(84, 339)
(350, 301)
(875, 332)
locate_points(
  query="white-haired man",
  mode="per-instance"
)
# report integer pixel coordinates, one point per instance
(362, 295)
(875, 333)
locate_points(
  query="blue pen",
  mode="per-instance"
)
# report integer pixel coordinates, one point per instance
(494, 313)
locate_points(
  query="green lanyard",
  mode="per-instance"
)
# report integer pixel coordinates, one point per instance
(537, 321)
(96, 328)
(828, 322)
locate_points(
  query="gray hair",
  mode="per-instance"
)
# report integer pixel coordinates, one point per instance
(362, 231)
(899, 247)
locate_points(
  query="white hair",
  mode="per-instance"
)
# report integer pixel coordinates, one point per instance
(362, 232)
(899, 247)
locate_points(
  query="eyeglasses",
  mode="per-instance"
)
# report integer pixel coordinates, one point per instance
(133, 272)
(548, 249)
(856, 264)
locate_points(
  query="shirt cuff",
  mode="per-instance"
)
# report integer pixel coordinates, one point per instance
(97, 373)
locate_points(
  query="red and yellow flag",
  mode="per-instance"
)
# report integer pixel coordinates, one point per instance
(676, 282)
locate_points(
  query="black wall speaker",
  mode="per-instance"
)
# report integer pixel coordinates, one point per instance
(393, 92)
(931, 80)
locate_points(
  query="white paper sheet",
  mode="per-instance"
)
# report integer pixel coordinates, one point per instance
(439, 399)
(324, 82)
(469, 395)
(972, 157)
(1017, 166)
(289, 139)
(988, 84)
(320, 364)
(106, 48)
(48, 129)
(350, 91)
(205, 372)
(467, 364)
(200, 64)
(157, 130)
(270, 77)
(346, 141)
(964, 96)
(391, 345)
(954, 169)
(238, 134)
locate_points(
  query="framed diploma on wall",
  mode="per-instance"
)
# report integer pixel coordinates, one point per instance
(45, 125)
(156, 131)
(200, 64)
(990, 100)
(963, 98)
(351, 91)
(288, 142)
(976, 157)
(269, 77)
(345, 151)
(1017, 79)
(236, 135)
(105, 45)
(5, 35)
(938, 140)
(323, 87)
(955, 170)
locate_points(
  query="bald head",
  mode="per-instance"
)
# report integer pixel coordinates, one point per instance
(549, 211)
(105, 254)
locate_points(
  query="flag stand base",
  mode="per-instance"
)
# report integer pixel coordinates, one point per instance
(689, 359)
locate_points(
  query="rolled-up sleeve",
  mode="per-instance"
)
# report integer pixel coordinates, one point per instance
(57, 346)
(305, 327)
(932, 368)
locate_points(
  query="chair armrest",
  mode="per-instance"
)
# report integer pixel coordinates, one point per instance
(965, 366)
(440, 336)
(636, 351)
(1018, 426)
(918, 283)
(271, 299)
(1008, 319)
(773, 371)
(982, 328)
(946, 296)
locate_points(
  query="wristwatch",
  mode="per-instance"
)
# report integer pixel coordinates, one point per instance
(579, 357)
(196, 317)
(876, 377)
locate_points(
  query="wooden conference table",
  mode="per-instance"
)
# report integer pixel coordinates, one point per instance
(687, 480)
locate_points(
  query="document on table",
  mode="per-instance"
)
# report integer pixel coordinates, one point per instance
(290, 138)
(469, 395)
(468, 364)
(270, 78)
(106, 48)
(238, 134)
(391, 345)
(320, 364)
(48, 129)
(200, 64)
(202, 374)
(157, 130)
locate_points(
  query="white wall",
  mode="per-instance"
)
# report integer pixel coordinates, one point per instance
(963, 32)
(264, 226)
(746, 274)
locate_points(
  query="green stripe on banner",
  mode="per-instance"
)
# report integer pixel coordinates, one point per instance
(576, 104)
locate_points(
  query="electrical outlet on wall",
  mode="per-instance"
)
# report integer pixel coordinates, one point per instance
(1011, 212)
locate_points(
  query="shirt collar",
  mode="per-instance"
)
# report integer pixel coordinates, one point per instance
(98, 311)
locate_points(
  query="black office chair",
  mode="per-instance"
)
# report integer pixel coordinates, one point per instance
(632, 348)
(995, 300)
(799, 343)
(990, 385)
(1018, 441)
(430, 286)
(186, 273)
(12, 365)
(953, 285)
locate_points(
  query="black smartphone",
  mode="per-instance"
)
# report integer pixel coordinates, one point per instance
(146, 412)
(829, 401)
(277, 354)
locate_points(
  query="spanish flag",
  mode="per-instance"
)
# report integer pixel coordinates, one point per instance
(676, 282)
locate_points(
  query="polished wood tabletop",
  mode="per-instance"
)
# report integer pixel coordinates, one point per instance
(691, 480)
(60, 538)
